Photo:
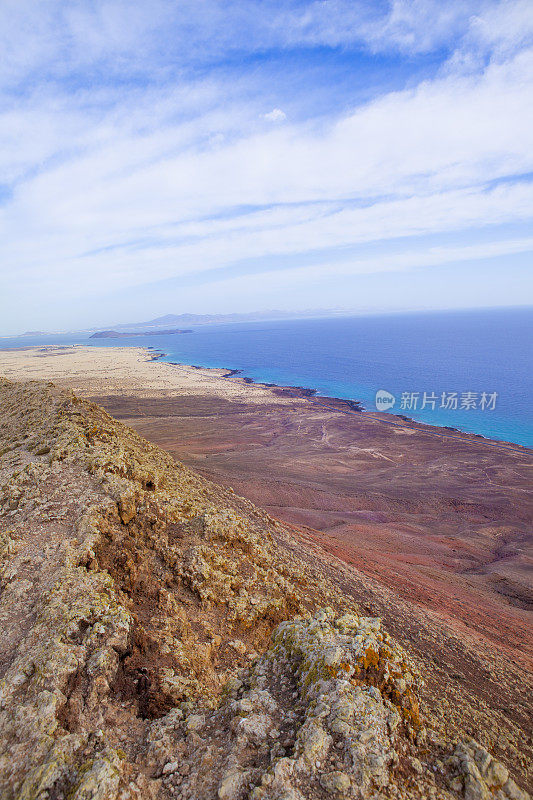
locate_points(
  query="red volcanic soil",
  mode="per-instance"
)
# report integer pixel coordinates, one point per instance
(442, 519)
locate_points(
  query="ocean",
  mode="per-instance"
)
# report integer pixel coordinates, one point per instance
(469, 370)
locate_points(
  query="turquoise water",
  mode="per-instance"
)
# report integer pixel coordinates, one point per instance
(353, 357)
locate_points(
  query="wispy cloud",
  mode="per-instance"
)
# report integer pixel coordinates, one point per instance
(135, 146)
(53, 39)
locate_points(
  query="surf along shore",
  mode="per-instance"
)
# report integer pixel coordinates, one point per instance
(435, 524)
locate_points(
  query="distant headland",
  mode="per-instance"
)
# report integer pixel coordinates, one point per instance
(128, 334)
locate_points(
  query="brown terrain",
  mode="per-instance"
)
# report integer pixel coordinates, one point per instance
(442, 519)
(427, 529)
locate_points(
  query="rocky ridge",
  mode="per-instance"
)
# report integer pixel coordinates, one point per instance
(163, 638)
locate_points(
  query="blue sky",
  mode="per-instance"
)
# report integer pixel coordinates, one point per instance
(211, 156)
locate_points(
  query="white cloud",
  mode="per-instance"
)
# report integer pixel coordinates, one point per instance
(418, 26)
(51, 39)
(503, 28)
(276, 115)
(405, 260)
(120, 184)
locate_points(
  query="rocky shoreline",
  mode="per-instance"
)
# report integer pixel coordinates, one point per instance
(343, 405)
(280, 390)
(328, 401)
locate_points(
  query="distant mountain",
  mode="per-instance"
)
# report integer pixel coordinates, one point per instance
(206, 319)
(162, 325)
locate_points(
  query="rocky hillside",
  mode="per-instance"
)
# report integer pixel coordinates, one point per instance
(163, 638)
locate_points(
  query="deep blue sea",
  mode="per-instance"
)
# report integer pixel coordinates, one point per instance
(480, 361)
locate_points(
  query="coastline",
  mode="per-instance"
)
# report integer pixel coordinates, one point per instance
(214, 377)
(442, 517)
(224, 382)
(340, 404)
(438, 521)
